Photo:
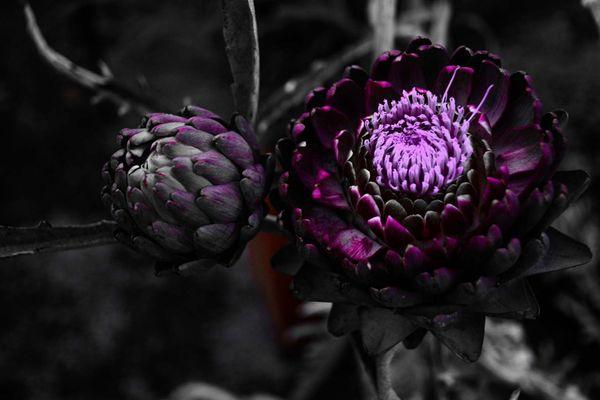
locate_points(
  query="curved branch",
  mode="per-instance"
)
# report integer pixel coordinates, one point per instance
(104, 85)
(43, 238)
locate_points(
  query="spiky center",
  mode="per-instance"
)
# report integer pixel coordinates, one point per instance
(419, 143)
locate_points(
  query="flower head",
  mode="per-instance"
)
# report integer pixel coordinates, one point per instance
(186, 188)
(422, 194)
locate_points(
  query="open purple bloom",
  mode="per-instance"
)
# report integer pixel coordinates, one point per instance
(421, 196)
(186, 189)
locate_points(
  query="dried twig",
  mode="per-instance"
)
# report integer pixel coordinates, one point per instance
(441, 12)
(594, 6)
(104, 85)
(15, 241)
(241, 44)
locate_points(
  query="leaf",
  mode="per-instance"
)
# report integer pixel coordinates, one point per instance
(15, 241)
(564, 252)
(464, 337)
(343, 319)
(287, 260)
(513, 300)
(381, 329)
(577, 182)
(241, 45)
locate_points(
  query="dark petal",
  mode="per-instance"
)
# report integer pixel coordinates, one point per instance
(234, 147)
(183, 207)
(461, 56)
(215, 167)
(503, 259)
(244, 128)
(523, 107)
(207, 125)
(215, 238)
(329, 192)
(322, 225)
(514, 300)
(464, 337)
(434, 58)
(195, 138)
(183, 170)
(406, 73)
(414, 260)
(343, 319)
(460, 89)
(342, 147)
(532, 254)
(160, 118)
(357, 74)
(315, 98)
(253, 185)
(381, 66)
(222, 203)
(564, 252)
(483, 55)
(346, 96)
(171, 236)
(287, 260)
(376, 92)
(417, 42)
(526, 138)
(381, 329)
(488, 74)
(396, 234)
(328, 122)
(437, 282)
(355, 245)
(394, 297)
(367, 207)
(190, 111)
(149, 247)
(453, 220)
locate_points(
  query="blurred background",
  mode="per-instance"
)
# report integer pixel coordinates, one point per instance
(97, 324)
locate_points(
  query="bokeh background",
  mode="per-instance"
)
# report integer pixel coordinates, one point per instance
(97, 324)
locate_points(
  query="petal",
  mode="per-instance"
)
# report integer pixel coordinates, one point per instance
(406, 73)
(328, 122)
(376, 92)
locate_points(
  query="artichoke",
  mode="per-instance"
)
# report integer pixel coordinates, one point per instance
(186, 189)
(421, 196)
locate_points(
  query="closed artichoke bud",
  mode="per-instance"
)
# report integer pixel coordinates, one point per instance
(186, 189)
(425, 189)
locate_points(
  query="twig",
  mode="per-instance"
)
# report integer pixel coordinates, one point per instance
(15, 241)
(382, 15)
(385, 391)
(104, 85)
(293, 91)
(241, 45)
(441, 12)
(594, 6)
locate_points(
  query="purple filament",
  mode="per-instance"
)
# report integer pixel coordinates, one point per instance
(419, 144)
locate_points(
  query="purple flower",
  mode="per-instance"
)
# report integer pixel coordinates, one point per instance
(421, 196)
(186, 189)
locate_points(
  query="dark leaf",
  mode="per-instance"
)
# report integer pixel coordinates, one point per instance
(343, 319)
(241, 44)
(16, 241)
(381, 329)
(464, 337)
(564, 252)
(514, 300)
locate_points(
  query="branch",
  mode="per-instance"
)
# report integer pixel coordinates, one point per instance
(241, 45)
(293, 91)
(104, 85)
(382, 16)
(15, 241)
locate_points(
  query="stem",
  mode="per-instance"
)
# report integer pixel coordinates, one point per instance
(383, 382)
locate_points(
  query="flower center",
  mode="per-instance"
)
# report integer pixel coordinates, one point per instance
(418, 144)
